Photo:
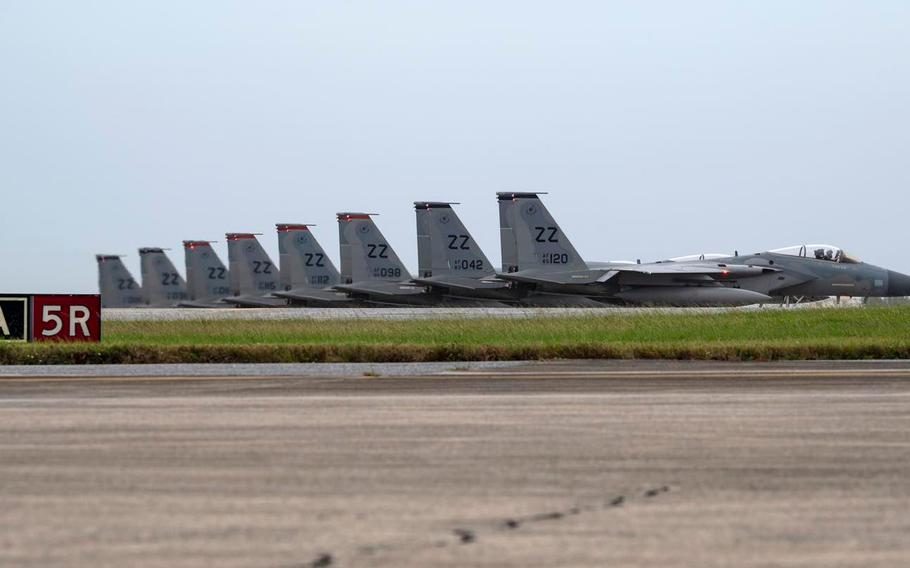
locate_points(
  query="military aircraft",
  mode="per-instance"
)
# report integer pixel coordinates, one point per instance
(253, 275)
(162, 285)
(117, 286)
(450, 262)
(806, 271)
(370, 269)
(307, 273)
(449, 259)
(206, 276)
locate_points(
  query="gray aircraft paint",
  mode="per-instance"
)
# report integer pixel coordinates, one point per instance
(304, 263)
(370, 269)
(538, 239)
(794, 276)
(206, 276)
(116, 285)
(772, 274)
(734, 280)
(365, 253)
(506, 234)
(162, 285)
(445, 247)
(252, 272)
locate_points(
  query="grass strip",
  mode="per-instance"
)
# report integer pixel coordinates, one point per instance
(76, 354)
(647, 327)
(881, 333)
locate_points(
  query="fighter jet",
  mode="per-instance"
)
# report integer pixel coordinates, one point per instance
(370, 269)
(307, 273)
(449, 259)
(716, 280)
(207, 278)
(162, 285)
(253, 275)
(117, 286)
(452, 263)
(809, 271)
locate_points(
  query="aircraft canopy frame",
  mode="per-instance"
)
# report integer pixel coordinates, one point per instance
(828, 253)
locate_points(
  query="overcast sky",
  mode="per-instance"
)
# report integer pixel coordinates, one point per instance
(658, 128)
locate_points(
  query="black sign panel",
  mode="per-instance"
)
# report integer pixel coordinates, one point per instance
(14, 318)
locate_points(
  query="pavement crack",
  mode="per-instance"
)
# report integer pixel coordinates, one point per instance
(324, 560)
(514, 523)
(656, 491)
(465, 536)
(547, 516)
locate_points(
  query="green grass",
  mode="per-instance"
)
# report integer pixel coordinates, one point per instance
(764, 334)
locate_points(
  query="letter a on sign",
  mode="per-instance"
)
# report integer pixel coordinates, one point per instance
(4, 327)
(13, 318)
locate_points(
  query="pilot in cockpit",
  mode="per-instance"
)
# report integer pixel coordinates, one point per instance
(825, 254)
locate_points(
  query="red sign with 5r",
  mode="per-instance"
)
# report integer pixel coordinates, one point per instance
(66, 317)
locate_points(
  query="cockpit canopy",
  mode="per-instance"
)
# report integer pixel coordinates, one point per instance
(819, 252)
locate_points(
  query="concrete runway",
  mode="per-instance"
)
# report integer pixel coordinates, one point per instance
(421, 313)
(399, 313)
(551, 464)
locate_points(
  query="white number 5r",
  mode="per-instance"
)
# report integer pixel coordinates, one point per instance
(79, 315)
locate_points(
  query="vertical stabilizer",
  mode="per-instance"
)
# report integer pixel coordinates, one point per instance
(538, 239)
(506, 235)
(304, 263)
(365, 253)
(206, 276)
(162, 285)
(252, 272)
(116, 285)
(444, 245)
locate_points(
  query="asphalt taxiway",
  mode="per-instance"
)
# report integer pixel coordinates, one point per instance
(530, 464)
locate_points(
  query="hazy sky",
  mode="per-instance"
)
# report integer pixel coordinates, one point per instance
(659, 128)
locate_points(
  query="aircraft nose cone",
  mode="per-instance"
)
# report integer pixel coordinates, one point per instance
(898, 284)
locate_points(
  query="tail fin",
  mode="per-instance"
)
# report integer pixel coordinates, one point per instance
(538, 240)
(206, 276)
(506, 234)
(252, 272)
(304, 264)
(444, 245)
(117, 286)
(162, 285)
(365, 253)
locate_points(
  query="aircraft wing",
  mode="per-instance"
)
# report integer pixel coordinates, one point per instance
(314, 295)
(699, 271)
(542, 276)
(462, 283)
(713, 270)
(195, 304)
(381, 288)
(256, 301)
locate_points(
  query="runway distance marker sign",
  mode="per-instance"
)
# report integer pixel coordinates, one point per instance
(50, 317)
(71, 317)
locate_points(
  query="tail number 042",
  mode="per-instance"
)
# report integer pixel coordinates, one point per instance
(78, 317)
